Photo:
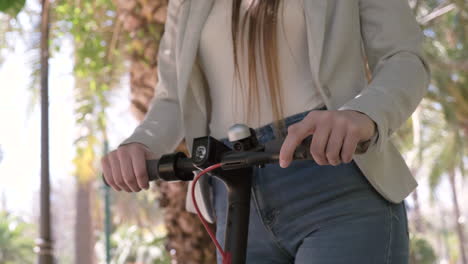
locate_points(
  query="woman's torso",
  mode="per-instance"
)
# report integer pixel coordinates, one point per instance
(215, 50)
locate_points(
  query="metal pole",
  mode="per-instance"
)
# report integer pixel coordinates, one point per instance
(107, 212)
(44, 242)
(239, 184)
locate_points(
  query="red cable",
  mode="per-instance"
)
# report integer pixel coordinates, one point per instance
(226, 255)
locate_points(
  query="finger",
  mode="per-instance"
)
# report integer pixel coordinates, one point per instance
(335, 142)
(117, 173)
(127, 170)
(319, 143)
(296, 133)
(349, 146)
(140, 170)
(106, 170)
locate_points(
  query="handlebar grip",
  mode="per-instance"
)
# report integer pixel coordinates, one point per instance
(151, 168)
(302, 151)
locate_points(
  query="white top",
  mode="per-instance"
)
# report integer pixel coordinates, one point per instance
(217, 62)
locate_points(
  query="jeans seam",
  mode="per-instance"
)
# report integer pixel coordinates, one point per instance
(272, 235)
(389, 251)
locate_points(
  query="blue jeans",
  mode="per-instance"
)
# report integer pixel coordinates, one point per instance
(308, 213)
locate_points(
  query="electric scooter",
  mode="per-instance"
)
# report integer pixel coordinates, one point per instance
(234, 166)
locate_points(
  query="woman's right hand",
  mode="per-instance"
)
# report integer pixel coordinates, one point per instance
(125, 167)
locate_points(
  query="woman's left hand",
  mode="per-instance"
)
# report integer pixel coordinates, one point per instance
(336, 135)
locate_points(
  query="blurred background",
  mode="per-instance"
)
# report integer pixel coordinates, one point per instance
(101, 73)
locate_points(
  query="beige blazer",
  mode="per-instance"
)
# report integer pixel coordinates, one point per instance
(338, 32)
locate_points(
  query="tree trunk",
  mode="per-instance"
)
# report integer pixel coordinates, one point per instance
(456, 207)
(44, 243)
(188, 242)
(415, 166)
(84, 242)
(444, 234)
(418, 220)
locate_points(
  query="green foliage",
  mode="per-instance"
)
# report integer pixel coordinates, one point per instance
(16, 244)
(12, 7)
(98, 66)
(452, 243)
(403, 138)
(421, 251)
(440, 165)
(446, 48)
(446, 152)
(134, 244)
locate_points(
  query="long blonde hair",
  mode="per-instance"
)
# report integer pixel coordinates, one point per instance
(262, 24)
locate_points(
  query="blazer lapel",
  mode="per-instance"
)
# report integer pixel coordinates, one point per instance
(316, 14)
(198, 11)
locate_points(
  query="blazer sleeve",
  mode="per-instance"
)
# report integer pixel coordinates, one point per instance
(393, 44)
(161, 130)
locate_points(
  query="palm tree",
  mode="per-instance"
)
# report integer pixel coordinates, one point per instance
(84, 237)
(446, 27)
(45, 254)
(448, 160)
(144, 21)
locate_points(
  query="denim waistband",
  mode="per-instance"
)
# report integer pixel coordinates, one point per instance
(267, 132)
